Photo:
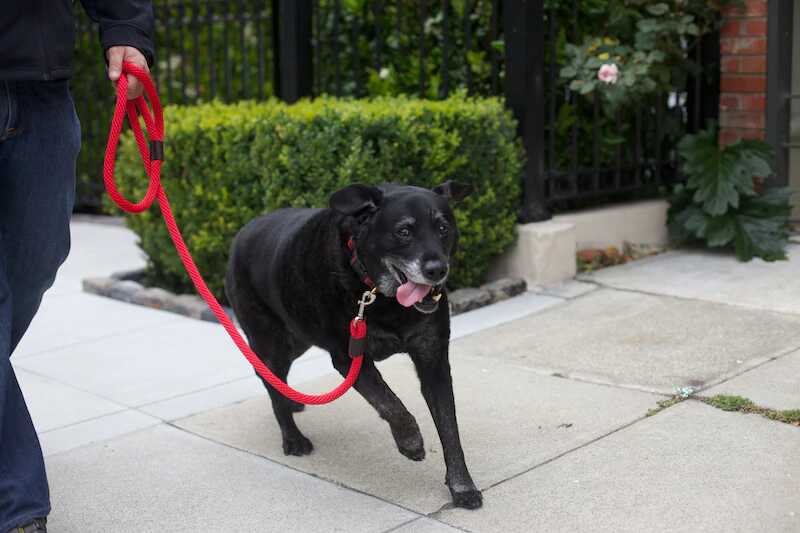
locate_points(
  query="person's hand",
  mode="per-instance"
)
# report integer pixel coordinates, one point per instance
(116, 55)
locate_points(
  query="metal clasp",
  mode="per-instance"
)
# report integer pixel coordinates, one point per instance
(366, 299)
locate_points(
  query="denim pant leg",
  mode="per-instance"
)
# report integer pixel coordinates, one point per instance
(39, 143)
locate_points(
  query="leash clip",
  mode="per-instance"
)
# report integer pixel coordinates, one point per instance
(358, 326)
(366, 299)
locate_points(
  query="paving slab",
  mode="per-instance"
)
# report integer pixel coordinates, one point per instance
(97, 250)
(66, 321)
(691, 468)
(715, 277)
(53, 405)
(637, 340)
(147, 365)
(775, 384)
(426, 525)
(568, 289)
(511, 419)
(311, 365)
(163, 479)
(94, 430)
(526, 304)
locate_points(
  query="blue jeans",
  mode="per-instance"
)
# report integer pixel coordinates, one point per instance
(39, 143)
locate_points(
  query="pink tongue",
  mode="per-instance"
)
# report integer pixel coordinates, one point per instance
(410, 293)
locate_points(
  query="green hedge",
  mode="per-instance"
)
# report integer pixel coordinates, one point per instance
(225, 164)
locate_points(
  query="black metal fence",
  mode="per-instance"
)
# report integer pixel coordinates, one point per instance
(576, 153)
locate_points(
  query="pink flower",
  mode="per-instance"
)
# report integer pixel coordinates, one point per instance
(608, 73)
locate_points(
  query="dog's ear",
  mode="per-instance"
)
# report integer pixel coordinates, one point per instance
(355, 199)
(454, 191)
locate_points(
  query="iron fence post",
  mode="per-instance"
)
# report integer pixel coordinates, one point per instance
(779, 85)
(523, 22)
(295, 74)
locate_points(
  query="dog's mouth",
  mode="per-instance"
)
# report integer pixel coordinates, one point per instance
(424, 297)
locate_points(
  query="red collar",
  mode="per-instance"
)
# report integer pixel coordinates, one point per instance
(358, 266)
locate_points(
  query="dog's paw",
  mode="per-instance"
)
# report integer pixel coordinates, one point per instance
(412, 447)
(298, 445)
(468, 499)
(409, 439)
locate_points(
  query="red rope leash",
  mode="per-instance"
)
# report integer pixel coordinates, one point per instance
(155, 130)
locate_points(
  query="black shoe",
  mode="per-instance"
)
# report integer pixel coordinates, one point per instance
(37, 526)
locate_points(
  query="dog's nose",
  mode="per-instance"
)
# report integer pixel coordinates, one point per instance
(435, 270)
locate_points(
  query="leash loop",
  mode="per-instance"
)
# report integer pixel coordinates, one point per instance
(152, 154)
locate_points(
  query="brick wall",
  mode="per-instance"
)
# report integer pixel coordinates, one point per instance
(743, 87)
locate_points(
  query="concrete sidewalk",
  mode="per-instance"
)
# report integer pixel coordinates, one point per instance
(152, 422)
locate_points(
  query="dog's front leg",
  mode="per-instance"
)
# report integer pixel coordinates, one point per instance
(437, 388)
(373, 388)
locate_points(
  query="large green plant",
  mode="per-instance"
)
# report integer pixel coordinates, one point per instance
(719, 204)
(225, 164)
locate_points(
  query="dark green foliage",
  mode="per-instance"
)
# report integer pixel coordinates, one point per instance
(719, 205)
(225, 164)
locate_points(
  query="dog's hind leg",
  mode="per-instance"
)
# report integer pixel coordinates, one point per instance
(294, 442)
(373, 388)
(277, 348)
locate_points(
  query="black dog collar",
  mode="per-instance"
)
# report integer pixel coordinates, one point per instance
(358, 266)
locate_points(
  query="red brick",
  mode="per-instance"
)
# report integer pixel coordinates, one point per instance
(752, 102)
(753, 134)
(742, 119)
(726, 46)
(742, 45)
(753, 8)
(756, 27)
(752, 64)
(730, 64)
(733, 83)
(729, 102)
(731, 28)
(728, 136)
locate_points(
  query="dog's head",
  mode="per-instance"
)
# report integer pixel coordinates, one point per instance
(405, 236)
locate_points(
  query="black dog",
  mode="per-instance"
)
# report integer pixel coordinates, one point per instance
(294, 282)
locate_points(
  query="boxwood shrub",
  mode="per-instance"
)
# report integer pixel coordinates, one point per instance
(226, 164)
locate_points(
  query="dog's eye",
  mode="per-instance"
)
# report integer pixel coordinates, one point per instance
(443, 229)
(404, 233)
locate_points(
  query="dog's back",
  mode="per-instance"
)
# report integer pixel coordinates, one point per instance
(258, 254)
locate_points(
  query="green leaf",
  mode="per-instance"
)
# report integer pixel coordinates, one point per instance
(696, 223)
(680, 210)
(720, 231)
(594, 63)
(762, 226)
(499, 45)
(587, 87)
(658, 9)
(568, 72)
(721, 177)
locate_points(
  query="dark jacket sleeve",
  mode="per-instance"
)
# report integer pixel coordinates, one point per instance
(124, 23)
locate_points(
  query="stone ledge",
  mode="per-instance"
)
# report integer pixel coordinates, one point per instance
(641, 223)
(126, 287)
(544, 253)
